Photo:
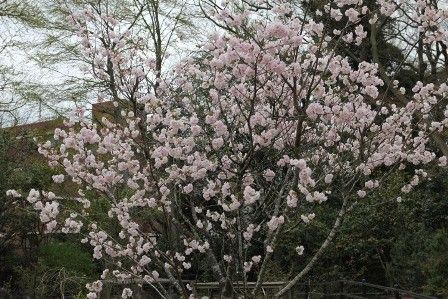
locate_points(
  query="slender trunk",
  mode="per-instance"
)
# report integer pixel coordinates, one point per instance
(319, 253)
(444, 53)
(421, 63)
(272, 237)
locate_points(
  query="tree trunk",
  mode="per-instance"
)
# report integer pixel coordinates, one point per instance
(319, 253)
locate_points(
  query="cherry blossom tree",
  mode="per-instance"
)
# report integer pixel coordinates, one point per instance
(264, 122)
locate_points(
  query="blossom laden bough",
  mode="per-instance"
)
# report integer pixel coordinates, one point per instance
(241, 140)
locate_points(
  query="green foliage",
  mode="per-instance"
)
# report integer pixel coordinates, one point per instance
(30, 263)
(382, 240)
(70, 256)
(17, 223)
(436, 263)
(419, 259)
(64, 267)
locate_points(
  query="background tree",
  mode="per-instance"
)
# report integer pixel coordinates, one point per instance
(16, 18)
